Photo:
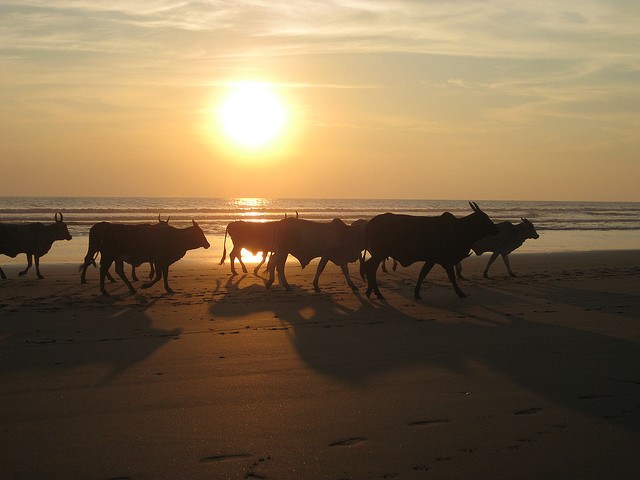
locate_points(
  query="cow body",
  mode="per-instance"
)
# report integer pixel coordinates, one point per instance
(509, 238)
(137, 244)
(443, 240)
(305, 240)
(96, 237)
(252, 236)
(33, 239)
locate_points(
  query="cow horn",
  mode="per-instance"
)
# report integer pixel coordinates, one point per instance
(296, 214)
(56, 218)
(472, 206)
(194, 223)
(476, 205)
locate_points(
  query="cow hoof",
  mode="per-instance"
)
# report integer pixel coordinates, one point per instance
(316, 289)
(354, 288)
(244, 270)
(512, 275)
(460, 277)
(485, 275)
(268, 285)
(40, 277)
(21, 274)
(170, 291)
(105, 293)
(145, 285)
(417, 296)
(368, 293)
(380, 296)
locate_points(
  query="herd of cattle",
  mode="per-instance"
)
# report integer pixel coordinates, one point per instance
(444, 240)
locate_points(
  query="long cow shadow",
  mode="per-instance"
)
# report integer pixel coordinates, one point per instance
(352, 339)
(71, 328)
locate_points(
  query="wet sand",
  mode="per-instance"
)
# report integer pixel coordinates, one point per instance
(531, 377)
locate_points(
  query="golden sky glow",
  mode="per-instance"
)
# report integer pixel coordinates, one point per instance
(403, 99)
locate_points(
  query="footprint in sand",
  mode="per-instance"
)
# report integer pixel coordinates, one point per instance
(528, 411)
(422, 423)
(221, 458)
(349, 442)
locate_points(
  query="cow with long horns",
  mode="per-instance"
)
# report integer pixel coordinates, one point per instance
(444, 240)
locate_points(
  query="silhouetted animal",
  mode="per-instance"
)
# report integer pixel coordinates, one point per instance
(305, 240)
(509, 238)
(252, 236)
(137, 244)
(96, 234)
(444, 240)
(34, 239)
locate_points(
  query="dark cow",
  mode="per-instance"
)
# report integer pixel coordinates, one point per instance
(96, 235)
(252, 236)
(34, 239)
(509, 238)
(137, 244)
(444, 240)
(305, 240)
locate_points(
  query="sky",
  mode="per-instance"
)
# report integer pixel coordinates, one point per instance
(454, 99)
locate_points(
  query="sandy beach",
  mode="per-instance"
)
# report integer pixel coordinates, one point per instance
(531, 377)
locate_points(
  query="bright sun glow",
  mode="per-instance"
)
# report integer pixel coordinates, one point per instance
(252, 115)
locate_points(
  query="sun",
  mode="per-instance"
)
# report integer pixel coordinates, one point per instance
(252, 115)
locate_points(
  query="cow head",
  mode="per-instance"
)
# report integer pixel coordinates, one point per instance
(529, 229)
(163, 222)
(197, 236)
(60, 230)
(482, 221)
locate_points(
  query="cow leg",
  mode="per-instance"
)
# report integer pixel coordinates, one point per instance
(280, 267)
(395, 265)
(110, 278)
(29, 262)
(505, 259)
(370, 267)
(264, 258)
(36, 260)
(104, 271)
(384, 265)
(345, 272)
(270, 268)
(426, 268)
(452, 277)
(88, 260)
(459, 270)
(120, 272)
(158, 272)
(4, 277)
(494, 255)
(134, 277)
(165, 273)
(232, 257)
(319, 270)
(152, 270)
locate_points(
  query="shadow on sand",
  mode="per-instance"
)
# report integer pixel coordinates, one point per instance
(515, 331)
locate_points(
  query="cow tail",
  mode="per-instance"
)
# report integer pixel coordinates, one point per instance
(224, 249)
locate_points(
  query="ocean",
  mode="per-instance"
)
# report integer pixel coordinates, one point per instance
(563, 226)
